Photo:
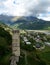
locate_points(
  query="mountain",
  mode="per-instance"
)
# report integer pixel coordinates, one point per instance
(30, 23)
(6, 19)
(25, 22)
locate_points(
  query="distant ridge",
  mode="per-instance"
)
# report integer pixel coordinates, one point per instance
(31, 23)
(6, 19)
(25, 22)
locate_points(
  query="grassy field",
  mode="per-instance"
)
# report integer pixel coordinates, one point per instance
(45, 55)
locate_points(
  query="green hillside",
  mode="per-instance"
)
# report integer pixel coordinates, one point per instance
(5, 46)
(31, 24)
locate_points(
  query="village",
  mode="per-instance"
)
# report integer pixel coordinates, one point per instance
(33, 44)
(38, 40)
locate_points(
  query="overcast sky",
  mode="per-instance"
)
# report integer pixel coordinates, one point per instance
(38, 8)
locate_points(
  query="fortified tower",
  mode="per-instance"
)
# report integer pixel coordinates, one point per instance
(15, 47)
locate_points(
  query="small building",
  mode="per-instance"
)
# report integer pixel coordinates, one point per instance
(47, 43)
(25, 39)
(38, 37)
(38, 45)
(28, 43)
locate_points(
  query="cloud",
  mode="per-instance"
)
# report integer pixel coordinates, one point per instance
(38, 8)
(45, 16)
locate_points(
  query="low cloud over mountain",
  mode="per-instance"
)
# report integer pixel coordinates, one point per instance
(37, 8)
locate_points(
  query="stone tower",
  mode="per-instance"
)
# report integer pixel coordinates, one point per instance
(15, 47)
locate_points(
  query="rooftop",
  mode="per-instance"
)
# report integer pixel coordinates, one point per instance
(28, 42)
